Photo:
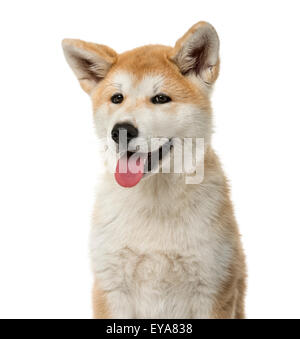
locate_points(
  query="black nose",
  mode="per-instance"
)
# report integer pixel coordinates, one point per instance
(132, 132)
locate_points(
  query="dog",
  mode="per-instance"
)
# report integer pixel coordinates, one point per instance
(160, 247)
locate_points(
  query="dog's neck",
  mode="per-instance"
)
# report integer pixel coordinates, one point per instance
(159, 191)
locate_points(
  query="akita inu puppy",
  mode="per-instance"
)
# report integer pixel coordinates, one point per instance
(161, 247)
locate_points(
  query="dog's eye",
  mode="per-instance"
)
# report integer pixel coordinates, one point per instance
(117, 98)
(161, 99)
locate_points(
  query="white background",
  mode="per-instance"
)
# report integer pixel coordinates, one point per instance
(49, 152)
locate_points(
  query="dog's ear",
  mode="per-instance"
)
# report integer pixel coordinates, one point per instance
(197, 52)
(90, 62)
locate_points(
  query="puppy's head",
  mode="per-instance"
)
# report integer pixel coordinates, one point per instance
(146, 101)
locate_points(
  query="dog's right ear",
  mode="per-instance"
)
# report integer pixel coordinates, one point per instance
(197, 53)
(90, 62)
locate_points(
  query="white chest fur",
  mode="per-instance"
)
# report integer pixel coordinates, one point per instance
(156, 249)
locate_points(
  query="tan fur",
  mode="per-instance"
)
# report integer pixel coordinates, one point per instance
(230, 301)
(154, 60)
(212, 73)
(100, 305)
(164, 255)
(76, 50)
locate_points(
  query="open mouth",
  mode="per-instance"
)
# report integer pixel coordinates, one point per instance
(133, 166)
(154, 158)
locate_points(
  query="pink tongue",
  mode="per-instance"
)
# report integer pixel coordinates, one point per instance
(129, 171)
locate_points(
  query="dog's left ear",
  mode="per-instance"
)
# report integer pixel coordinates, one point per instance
(197, 52)
(90, 62)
